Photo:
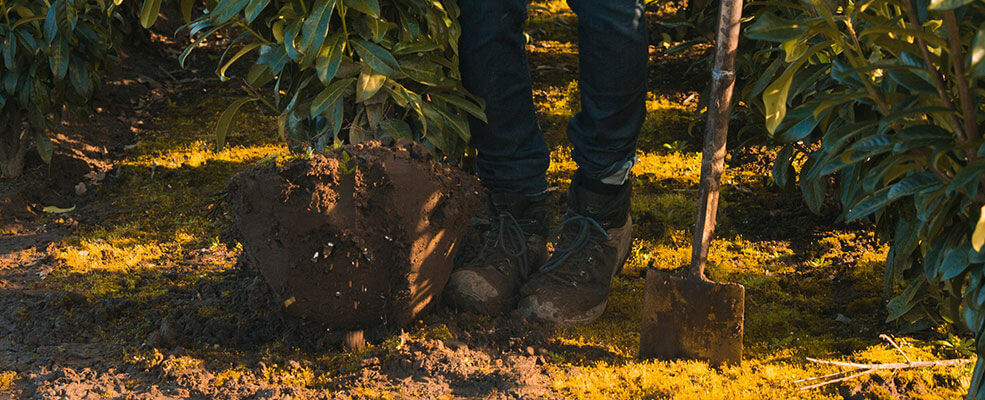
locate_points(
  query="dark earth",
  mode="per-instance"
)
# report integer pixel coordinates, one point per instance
(361, 237)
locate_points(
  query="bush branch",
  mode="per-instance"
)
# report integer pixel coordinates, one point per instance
(932, 70)
(957, 63)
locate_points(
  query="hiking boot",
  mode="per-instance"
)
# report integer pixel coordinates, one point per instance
(593, 243)
(487, 281)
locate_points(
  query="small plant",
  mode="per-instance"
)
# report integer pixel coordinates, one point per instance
(347, 164)
(677, 146)
(962, 347)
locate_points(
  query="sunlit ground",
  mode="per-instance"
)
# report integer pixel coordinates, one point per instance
(811, 291)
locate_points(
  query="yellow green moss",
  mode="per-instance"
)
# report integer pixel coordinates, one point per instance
(7, 379)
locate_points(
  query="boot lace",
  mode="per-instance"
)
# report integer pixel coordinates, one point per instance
(508, 236)
(581, 241)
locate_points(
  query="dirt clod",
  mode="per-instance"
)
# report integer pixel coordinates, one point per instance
(359, 238)
(355, 341)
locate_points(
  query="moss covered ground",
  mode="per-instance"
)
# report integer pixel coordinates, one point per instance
(813, 286)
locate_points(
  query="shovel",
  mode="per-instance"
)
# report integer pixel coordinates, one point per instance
(693, 317)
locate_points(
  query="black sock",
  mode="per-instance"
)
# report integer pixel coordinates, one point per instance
(597, 186)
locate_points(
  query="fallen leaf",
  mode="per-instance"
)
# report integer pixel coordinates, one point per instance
(56, 210)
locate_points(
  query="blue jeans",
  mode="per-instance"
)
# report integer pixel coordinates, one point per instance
(512, 154)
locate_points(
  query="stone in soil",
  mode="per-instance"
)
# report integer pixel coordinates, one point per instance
(361, 237)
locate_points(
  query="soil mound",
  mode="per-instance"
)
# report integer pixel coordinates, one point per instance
(359, 238)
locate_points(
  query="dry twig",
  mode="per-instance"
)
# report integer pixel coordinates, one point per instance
(858, 369)
(893, 342)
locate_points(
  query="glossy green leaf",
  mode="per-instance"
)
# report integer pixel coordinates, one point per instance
(225, 123)
(776, 94)
(186, 10)
(246, 49)
(315, 28)
(782, 166)
(370, 7)
(149, 11)
(420, 46)
(79, 77)
(376, 57)
(914, 81)
(968, 178)
(813, 193)
(868, 206)
(225, 10)
(58, 54)
(397, 129)
(910, 112)
(43, 144)
(794, 48)
(976, 67)
(259, 75)
(903, 303)
(368, 84)
(772, 28)
(188, 50)
(51, 24)
(953, 263)
(330, 95)
(803, 123)
(253, 9)
(9, 45)
(476, 110)
(275, 58)
(329, 59)
(940, 5)
(291, 32)
(912, 184)
(775, 100)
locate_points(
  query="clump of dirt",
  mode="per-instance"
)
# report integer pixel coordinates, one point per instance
(435, 369)
(359, 238)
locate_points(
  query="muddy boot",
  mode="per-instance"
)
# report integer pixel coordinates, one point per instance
(488, 280)
(595, 237)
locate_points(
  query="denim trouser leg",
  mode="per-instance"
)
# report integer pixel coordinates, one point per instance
(613, 53)
(512, 154)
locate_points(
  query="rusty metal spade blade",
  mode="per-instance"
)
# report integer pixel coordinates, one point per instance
(693, 317)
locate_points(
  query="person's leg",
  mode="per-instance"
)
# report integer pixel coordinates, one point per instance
(512, 154)
(512, 159)
(613, 52)
(597, 232)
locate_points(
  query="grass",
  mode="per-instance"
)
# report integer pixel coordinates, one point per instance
(164, 208)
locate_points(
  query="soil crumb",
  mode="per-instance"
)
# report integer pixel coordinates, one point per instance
(361, 237)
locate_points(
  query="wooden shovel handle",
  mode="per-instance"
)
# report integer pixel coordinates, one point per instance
(716, 130)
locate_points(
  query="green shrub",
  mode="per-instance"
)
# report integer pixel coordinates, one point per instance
(887, 95)
(52, 56)
(348, 70)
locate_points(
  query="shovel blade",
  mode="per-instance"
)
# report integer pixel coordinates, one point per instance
(692, 319)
